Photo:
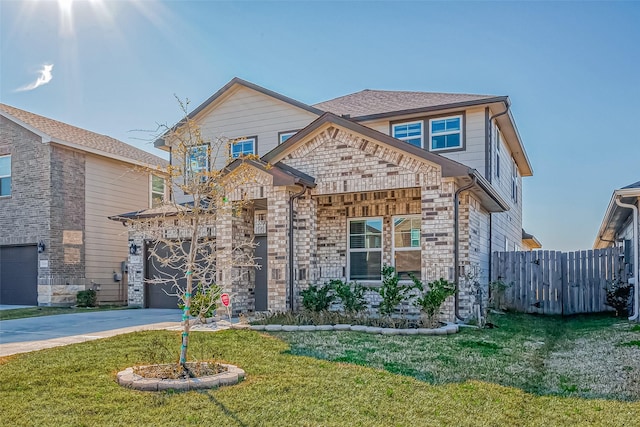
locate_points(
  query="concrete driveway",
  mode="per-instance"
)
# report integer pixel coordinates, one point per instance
(36, 333)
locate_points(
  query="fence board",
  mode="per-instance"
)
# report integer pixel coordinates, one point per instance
(553, 282)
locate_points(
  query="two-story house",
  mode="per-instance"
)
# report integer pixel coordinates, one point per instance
(58, 183)
(430, 183)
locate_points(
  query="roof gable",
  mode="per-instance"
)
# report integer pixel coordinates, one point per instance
(51, 130)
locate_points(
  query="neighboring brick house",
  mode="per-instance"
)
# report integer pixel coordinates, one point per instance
(58, 184)
(377, 173)
(619, 228)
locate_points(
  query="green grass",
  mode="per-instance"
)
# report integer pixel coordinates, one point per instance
(75, 386)
(21, 313)
(586, 356)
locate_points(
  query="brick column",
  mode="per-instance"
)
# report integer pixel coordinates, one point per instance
(224, 247)
(278, 248)
(305, 246)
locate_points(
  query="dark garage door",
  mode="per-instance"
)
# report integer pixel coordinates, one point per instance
(19, 275)
(156, 294)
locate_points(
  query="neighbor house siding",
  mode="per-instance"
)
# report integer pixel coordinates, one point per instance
(112, 187)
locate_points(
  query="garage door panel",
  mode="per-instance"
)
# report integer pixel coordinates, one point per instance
(19, 275)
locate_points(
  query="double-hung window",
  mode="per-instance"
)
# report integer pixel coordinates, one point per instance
(514, 182)
(365, 249)
(410, 132)
(497, 153)
(5, 175)
(406, 245)
(243, 147)
(196, 161)
(445, 133)
(157, 191)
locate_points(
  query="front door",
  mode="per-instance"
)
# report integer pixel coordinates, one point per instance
(261, 273)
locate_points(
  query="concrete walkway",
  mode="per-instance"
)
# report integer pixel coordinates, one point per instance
(37, 333)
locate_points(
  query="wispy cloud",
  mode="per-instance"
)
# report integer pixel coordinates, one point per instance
(44, 78)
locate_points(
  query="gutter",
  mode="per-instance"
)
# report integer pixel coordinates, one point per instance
(456, 243)
(291, 248)
(634, 208)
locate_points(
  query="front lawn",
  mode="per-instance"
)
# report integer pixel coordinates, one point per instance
(75, 385)
(21, 313)
(587, 356)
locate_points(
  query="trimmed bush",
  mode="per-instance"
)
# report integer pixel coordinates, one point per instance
(87, 298)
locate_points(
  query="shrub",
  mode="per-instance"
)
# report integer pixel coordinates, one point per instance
(86, 298)
(391, 291)
(204, 302)
(497, 289)
(351, 295)
(431, 300)
(619, 296)
(316, 298)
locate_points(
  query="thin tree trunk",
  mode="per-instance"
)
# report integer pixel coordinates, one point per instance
(186, 325)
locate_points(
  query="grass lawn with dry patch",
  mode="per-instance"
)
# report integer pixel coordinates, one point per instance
(75, 385)
(586, 356)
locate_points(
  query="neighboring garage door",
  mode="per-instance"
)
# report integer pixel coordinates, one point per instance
(19, 275)
(156, 295)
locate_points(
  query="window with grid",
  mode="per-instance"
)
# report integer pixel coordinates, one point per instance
(157, 191)
(410, 132)
(445, 133)
(406, 245)
(365, 249)
(196, 161)
(243, 147)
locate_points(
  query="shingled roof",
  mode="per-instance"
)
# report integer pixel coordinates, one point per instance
(375, 102)
(66, 134)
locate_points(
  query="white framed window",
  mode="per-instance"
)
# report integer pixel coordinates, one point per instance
(514, 182)
(158, 191)
(243, 147)
(445, 133)
(497, 152)
(5, 175)
(406, 245)
(364, 260)
(283, 136)
(411, 132)
(196, 160)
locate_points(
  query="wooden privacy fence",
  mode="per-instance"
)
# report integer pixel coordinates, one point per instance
(553, 282)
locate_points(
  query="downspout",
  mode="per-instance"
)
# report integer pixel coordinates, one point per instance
(291, 251)
(456, 243)
(489, 136)
(634, 208)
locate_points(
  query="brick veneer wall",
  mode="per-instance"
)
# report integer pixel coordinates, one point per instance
(47, 197)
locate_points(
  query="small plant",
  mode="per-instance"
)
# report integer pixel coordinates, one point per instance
(391, 291)
(497, 289)
(86, 298)
(204, 301)
(619, 296)
(351, 295)
(432, 299)
(316, 298)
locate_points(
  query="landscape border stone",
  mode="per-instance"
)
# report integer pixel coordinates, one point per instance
(233, 375)
(447, 329)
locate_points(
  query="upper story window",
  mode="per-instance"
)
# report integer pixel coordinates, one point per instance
(410, 132)
(5, 175)
(243, 147)
(406, 245)
(445, 133)
(157, 191)
(514, 182)
(197, 160)
(497, 153)
(365, 249)
(283, 136)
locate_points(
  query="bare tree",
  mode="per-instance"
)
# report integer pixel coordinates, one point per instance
(183, 231)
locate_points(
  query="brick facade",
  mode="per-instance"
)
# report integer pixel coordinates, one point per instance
(47, 200)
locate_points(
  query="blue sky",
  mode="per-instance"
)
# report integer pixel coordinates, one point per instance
(571, 69)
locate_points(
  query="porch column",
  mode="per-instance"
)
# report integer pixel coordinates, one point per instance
(305, 246)
(278, 249)
(224, 247)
